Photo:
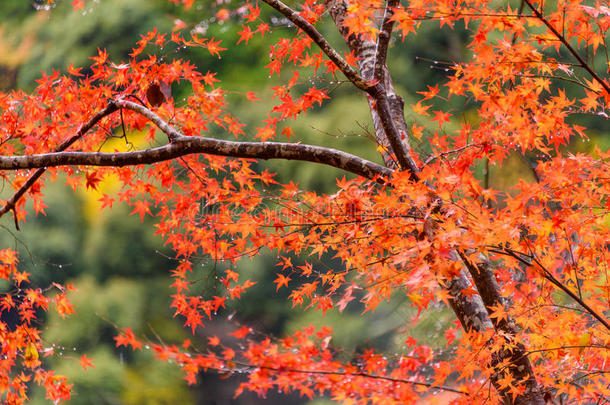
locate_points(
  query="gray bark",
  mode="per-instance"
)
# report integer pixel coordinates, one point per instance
(473, 312)
(185, 145)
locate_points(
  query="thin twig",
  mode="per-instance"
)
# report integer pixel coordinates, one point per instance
(319, 39)
(10, 204)
(519, 256)
(449, 152)
(351, 374)
(565, 42)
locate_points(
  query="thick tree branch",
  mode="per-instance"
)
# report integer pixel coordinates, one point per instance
(519, 365)
(469, 310)
(386, 106)
(179, 146)
(390, 129)
(378, 91)
(186, 145)
(394, 135)
(257, 150)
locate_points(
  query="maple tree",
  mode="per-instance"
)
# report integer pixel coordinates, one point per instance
(525, 271)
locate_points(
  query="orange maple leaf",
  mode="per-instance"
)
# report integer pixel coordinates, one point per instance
(85, 362)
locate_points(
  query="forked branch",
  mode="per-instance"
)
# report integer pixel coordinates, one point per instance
(181, 145)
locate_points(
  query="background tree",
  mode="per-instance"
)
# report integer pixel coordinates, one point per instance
(524, 272)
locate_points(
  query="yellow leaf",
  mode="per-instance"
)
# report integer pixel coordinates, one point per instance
(583, 341)
(30, 354)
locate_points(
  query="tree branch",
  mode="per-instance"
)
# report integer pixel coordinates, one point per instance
(531, 261)
(384, 40)
(180, 145)
(378, 92)
(350, 374)
(319, 39)
(565, 42)
(469, 309)
(385, 105)
(186, 145)
(393, 134)
(10, 204)
(170, 131)
(519, 364)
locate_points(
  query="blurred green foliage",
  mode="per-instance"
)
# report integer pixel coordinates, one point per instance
(119, 375)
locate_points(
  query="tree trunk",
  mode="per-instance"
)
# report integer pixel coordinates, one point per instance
(472, 311)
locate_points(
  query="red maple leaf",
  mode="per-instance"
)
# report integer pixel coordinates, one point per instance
(142, 208)
(127, 338)
(241, 332)
(245, 34)
(93, 179)
(85, 362)
(441, 117)
(281, 280)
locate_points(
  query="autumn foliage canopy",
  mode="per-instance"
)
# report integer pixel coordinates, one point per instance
(524, 270)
